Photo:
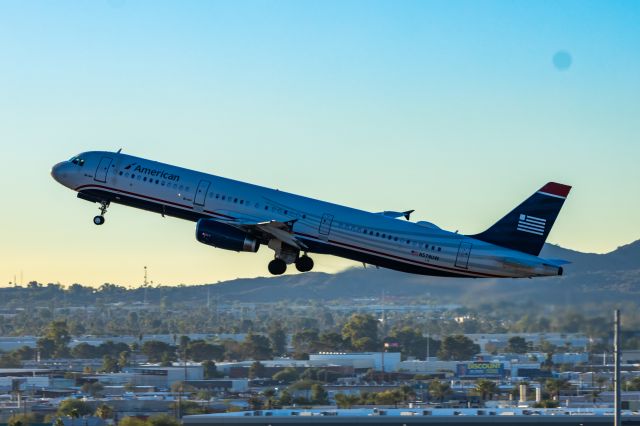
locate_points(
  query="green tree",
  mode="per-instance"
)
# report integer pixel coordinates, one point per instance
(104, 412)
(55, 341)
(486, 388)
(633, 384)
(389, 397)
(408, 393)
(10, 360)
(286, 375)
(92, 388)
(85, 351)
(346, 401)
(210, 370)
(269, 395)
(556, 386)
(74, 407)
(277, 339)
(439, 390)
(412, 343)
(319, 395)
(305, 341)
(457, 348)
(25, 419)
(517, 345)
(257, 370)
(109, 365)
(332, 342)
(256, 346)
(285, 398)
(361, 331)
(199, 350)
(162, 420)
(24, 353)
(133, 421)
(158, 351)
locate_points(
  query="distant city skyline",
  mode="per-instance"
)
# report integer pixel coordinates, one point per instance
(457, 109)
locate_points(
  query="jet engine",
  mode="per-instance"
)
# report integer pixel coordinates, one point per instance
(220, 235)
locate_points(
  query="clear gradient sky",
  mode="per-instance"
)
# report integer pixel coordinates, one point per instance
(452, 108)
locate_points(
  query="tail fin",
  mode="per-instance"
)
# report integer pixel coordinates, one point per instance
(526, 228)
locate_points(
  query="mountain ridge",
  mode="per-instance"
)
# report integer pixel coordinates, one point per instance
(590, 277)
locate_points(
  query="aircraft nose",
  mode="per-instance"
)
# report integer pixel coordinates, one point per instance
(58, 172)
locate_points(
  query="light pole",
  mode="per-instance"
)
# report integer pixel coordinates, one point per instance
(616, 367)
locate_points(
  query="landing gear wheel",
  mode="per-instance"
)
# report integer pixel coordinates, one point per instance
(99, 220)
(277, 267)
(304, 263)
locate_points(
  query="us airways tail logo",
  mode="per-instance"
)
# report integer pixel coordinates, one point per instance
(531, 224)
(152, 172)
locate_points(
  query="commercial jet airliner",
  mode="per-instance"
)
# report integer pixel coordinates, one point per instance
(239, 216)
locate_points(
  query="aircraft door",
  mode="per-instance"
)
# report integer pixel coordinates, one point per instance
(462, 260)
(325, 224)
(201, 193)
(103, 169)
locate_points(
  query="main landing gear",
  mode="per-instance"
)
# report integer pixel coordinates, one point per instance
(278, 266)
(304, 263)
(99, 220)
(286, 255)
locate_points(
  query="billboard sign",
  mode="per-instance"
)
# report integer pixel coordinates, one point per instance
(481, 369)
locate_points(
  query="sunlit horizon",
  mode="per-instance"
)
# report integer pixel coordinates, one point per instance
(459, 110)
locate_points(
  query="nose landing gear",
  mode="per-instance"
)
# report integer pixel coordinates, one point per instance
(99, 220)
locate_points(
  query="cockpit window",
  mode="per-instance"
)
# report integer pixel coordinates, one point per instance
(78, 161)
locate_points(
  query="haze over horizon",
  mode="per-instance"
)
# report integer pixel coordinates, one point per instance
(459, 110)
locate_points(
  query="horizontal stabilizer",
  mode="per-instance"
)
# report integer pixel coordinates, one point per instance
(396, 215)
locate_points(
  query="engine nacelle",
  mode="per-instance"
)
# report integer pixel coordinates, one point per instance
(214, 233)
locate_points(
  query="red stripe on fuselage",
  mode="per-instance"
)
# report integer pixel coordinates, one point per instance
(334, 242)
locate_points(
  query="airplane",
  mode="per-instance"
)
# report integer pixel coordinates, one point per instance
(239, 216)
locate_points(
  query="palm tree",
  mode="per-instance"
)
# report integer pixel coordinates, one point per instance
(555, 386)
(269, 394)
(486, 388)
(104, 412)
(439, 390)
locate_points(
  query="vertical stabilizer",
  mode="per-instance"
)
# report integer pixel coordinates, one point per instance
(527, 226)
